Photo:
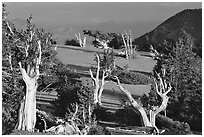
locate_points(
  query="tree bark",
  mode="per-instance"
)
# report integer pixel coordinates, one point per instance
(98, 87)
(162, 90)
(20, 116)
(135, 105)
(96, 80)
(104, 76)
(27, 112)
(27, 116)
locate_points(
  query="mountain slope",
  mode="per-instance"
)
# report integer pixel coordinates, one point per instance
(187, 22)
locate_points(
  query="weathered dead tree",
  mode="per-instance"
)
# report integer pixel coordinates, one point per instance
(97, 83)
(27, 113)
(70, 126)
(127, 40)
(162, 89)
(81, 43)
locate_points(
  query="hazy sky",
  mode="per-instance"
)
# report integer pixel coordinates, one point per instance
(78, 13)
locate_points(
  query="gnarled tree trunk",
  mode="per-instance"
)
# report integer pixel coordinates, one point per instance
(102, 86)
(98, 84)
(162, 90)
(28, 106)
(27, 112)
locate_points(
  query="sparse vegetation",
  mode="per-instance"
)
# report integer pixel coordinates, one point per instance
(184, 68)
(173, 105)
(135, 78)
(72, 42)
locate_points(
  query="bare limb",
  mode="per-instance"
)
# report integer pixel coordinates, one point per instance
(84, 42)
(20, 47)
(125, 44)
(83, 115)
(76, 110)
(131, 99)
(91, 73)
(10, 61)
(157, 89)
(131, 52)
(39, 58)
(89, 110)
(134, 103)
(163, 94)
(23, 72)
(168, 90)
(40, 52)
(98, 66)
(106, 75)
(46, 87)
(9, 28)
(31, 35)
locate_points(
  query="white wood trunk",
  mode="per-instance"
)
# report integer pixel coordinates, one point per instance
(96, 93)
(27, 116)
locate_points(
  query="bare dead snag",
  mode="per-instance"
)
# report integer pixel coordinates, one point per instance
(81, 43)
(162, 89)
(134, 103)
(127, 40)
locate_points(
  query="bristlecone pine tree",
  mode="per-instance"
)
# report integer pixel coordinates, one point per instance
(31, 72)
(184, 71)
(100, 38)
(24, 49)
(162, 89)
(105, 64)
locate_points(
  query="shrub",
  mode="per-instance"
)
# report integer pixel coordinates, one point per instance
(102, 114)
(128, 117)
(134, 78)
(98, 130)
(184, 71)
(16, 132)
(116, 41)
(72, 42)
(54, 42)
(173, 126)
(8, 118)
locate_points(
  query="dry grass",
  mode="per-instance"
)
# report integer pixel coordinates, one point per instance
(85, 57)
(110, 94)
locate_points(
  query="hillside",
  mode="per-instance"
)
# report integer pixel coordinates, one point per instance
(84, 58)
(187, 22)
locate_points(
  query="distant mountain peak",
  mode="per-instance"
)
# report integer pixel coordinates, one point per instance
(186, 22)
